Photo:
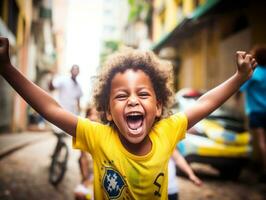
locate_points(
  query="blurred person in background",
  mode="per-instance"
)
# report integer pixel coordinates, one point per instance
(255, 104)
(84, 190)
(69, 90)
(178, 160)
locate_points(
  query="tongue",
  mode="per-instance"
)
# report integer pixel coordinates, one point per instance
(134, 124)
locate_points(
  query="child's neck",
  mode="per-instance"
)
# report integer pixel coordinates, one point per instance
(140, 149)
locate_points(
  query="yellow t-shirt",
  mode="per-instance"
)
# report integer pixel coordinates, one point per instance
(118, 174)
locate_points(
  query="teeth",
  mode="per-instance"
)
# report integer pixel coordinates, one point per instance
(136, 131)
(134, 114)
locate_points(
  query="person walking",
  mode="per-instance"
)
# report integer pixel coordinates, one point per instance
(69, 90)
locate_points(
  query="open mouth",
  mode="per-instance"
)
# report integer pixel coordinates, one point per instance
(134, 120)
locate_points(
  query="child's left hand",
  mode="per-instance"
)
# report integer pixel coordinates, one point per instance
(246, 64)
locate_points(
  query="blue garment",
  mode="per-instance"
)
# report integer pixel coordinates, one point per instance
(255, 91)
(257, 120)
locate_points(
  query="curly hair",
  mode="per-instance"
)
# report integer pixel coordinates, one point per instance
(159, 72)
(259, 52)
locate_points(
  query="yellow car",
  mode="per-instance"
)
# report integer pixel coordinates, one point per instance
(220, 140)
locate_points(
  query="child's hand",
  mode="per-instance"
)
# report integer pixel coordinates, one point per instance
(246, 64)
(195, 180)
(4, 53)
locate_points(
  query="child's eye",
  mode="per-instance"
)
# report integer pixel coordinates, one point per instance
(143, 94)
(121, 97)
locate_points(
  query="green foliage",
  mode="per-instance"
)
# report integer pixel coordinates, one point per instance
(110, 46)
(138, 9)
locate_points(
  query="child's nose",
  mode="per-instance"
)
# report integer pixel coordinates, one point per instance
(133, 101)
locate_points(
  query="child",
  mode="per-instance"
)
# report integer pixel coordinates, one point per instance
(83, 191)
(132, 151)
(178, 160)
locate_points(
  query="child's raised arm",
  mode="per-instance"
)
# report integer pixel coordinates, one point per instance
(214, 98)
(41, 101)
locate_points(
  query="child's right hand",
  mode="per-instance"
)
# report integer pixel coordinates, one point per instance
(4, 53)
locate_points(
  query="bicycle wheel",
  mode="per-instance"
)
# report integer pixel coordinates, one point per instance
(58, 164)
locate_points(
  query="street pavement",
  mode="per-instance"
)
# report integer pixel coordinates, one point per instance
(24, 172)
(10, 142)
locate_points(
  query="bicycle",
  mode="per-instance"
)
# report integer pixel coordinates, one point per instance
(59, 160)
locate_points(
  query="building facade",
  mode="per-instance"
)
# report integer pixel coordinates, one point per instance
(27, 24)
(205, 36)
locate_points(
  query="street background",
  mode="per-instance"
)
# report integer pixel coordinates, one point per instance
(199, 37)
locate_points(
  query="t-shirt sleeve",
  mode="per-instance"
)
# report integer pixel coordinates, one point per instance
(180, 123)
(86, 135)
(173, 128)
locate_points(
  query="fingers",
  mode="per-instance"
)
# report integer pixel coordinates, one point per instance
(196, 180)
(248, 58)
(241, 53)
(243, 57)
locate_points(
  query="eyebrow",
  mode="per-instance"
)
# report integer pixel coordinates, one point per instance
(125, 89)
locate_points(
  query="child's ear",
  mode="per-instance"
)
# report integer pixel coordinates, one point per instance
(109, 116)
(159, 109)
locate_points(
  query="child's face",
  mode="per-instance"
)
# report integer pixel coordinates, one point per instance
(133, 105)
